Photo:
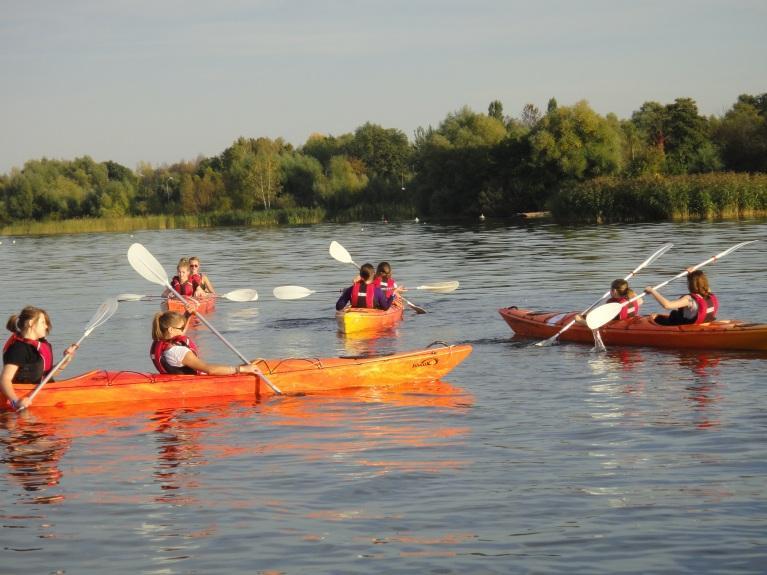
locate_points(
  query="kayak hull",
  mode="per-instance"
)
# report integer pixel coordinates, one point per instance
(364, 320)
(204, 304)
(641, 331)
(291, 376)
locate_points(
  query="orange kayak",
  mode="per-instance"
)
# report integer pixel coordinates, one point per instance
(291, 376)
(643, 331)
(357, 319)
(204, 304)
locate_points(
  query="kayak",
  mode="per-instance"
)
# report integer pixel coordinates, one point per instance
(360, 319)
(642, 331)
(291, 376)
(204, 304)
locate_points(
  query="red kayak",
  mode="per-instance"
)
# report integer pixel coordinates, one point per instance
(642, 331)
(204, 304)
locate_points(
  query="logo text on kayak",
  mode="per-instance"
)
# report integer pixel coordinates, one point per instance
(426, 362)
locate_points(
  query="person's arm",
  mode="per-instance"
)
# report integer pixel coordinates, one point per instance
(683, 301)
(383, 302)
(346, 296)
(69, 353)
(207, 285)
(191, 360)
(6, 386)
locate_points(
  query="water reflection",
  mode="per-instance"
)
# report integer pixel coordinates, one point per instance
(679, 396)
(32, 452)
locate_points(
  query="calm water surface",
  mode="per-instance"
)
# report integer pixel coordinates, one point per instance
(542, 460)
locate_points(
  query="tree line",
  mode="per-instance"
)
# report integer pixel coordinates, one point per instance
(471, 163)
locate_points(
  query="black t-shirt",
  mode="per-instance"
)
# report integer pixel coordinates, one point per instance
(29, 361)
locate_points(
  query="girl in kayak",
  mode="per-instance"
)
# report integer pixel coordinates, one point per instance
(173, 352)
(619, 292)
(27, 355)
(363, 292)
(182, 282)
(384, 280)
(204, 285)
(698, 306)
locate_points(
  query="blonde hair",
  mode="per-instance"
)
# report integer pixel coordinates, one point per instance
(183, 263)
(18, 323)
(163, 321)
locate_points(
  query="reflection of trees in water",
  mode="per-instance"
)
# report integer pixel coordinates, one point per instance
(31, 456)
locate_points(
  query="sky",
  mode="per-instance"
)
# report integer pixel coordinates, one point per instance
(163, 81)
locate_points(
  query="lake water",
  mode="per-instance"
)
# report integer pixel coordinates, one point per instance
(526, 460)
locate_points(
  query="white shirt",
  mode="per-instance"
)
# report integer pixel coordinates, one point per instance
(174, 355)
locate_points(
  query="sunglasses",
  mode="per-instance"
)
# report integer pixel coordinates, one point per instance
(194, 265)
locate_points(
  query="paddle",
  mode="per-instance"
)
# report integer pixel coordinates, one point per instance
(239, 295)
(147, 266)
(339, 253)
(298, 292)
(662, 250)
(440, 287)
(103, 313)
(604, 313)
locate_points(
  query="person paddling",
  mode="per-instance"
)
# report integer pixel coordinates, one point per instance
(27, 355)
(182, 282)
(364, 294)
(619, 292)
(698, 306)
(384, 280)
(204, 285)
(174, 352)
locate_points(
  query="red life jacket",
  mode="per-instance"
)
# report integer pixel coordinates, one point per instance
(387, 287)
(158, 348)
(707, 307)
(627, 311)
(42, 347)
(186, 289)
(196, 279)
(368, 295)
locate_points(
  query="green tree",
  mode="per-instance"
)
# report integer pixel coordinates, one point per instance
(302, 177)
(346, 180)
(574, 142)
(384, 151)
(495, 110)
(688, 144)
(742, 135)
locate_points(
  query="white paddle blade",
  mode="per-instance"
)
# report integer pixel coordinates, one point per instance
(244, 294)
(598, 317)
(130, 297)
(291, 292)
(662, 250)
(440, 287)
(105, 311)
(146, 265)
(338, 252)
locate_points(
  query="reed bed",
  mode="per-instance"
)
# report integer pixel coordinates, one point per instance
(294, 216)
(655, 198)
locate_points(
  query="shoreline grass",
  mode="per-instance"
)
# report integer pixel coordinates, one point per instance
(715, 196)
